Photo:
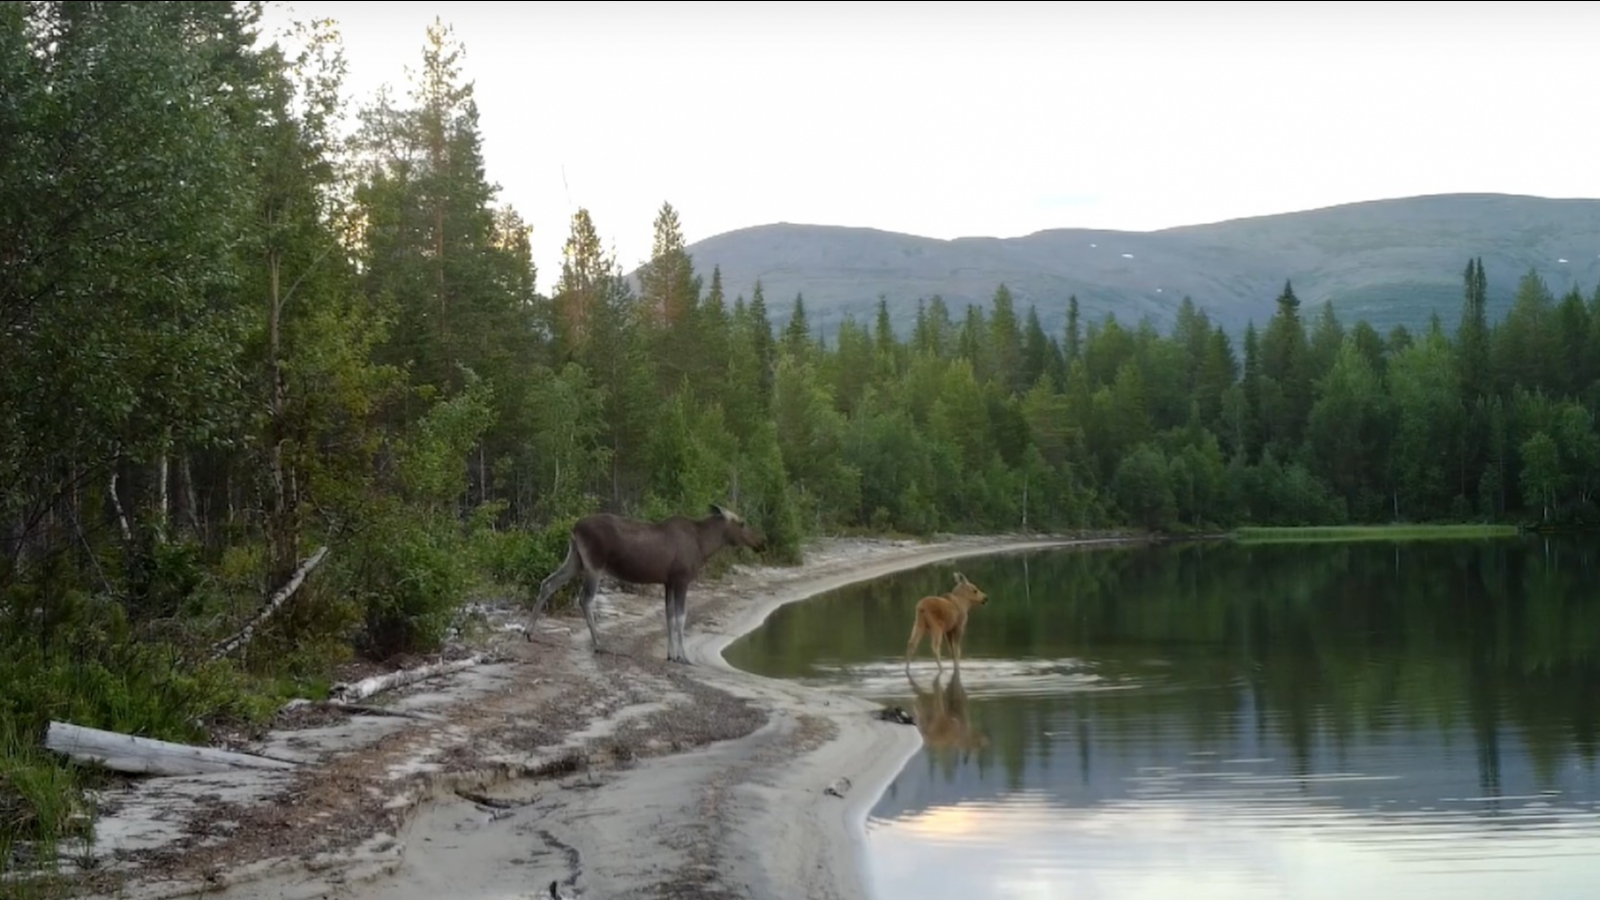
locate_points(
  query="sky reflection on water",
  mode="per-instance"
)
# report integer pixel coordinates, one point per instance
(1023, 845)
(1153, 821)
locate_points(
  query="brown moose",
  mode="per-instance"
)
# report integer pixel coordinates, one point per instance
(944, 617)
(670, 552)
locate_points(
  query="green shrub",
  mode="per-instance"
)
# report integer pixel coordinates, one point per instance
(408, 574)
(531, 555)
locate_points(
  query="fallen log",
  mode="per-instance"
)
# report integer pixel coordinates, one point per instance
(147, 756)
(348, 692)
(223, 648)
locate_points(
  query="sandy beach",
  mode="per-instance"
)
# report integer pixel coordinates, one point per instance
(617, 774)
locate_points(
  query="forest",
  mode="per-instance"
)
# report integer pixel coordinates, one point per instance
(235, 331)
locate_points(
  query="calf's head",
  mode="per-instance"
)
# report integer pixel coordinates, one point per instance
(968, 592)
(739, 533)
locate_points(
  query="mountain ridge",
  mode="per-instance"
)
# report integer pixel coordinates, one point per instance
(1390, 261)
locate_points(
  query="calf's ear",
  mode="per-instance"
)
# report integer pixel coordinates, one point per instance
(716, 510)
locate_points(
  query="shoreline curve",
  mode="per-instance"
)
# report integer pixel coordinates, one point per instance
(869, 752)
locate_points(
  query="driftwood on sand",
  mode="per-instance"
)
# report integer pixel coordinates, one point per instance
(147, 756)
(352, 691)
(223, 648)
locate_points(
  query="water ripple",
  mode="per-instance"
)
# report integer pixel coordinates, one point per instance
(979, 677)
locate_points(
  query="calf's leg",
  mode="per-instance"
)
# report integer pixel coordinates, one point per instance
(916, 639)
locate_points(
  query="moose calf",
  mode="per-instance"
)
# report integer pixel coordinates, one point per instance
(944, 617)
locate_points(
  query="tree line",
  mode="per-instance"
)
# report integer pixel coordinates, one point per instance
(231, 333)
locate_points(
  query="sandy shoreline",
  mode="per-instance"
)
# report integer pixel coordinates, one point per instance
(616, 774)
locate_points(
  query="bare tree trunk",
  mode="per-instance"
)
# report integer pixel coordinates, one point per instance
(277, 600)
(163, 492)
(191, 505)
(116, 504)
(483, 473)
(616, 483)
(438, 247)
(280, 539)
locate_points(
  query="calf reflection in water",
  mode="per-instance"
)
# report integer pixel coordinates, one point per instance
(942, 716)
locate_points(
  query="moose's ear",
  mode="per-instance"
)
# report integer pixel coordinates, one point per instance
(717, 511)
(960, 578)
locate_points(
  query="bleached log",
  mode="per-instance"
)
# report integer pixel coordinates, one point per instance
(349, 692)
(147, 756)
(223, 648)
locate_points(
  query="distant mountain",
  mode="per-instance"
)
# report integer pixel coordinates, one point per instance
(1387, 261)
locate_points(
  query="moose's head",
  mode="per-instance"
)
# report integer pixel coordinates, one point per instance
(968, 592)
(737, 531)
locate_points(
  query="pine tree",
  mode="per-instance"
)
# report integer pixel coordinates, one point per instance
(1327, 336)
(1036, 352)
(934, 329)
(1073, 348)
(797, 334)
(713, 335)
(1284, 361)
(885, 345)
(669, 291)
(669, 300)
(1472, 335)
(1005, 344)
(1252, 393)
(763, 344)
(582, 287)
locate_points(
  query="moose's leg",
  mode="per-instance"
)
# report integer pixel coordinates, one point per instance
(591, 584)
(672, 623)
(553, 582)
(916, 638)
(681, 611)
(936, 640)
(677, 604)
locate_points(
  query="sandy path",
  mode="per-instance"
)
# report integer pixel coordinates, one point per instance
(616, 774)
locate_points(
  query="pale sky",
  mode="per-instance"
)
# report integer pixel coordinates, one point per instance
(997, 119)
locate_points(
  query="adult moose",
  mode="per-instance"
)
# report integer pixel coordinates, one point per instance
(670, 552)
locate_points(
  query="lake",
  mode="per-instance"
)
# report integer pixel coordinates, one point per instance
(1236, 721)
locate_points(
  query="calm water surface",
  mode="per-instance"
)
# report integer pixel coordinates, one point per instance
(1364, 720)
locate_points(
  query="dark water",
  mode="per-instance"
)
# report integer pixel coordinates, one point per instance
(1364, 720)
